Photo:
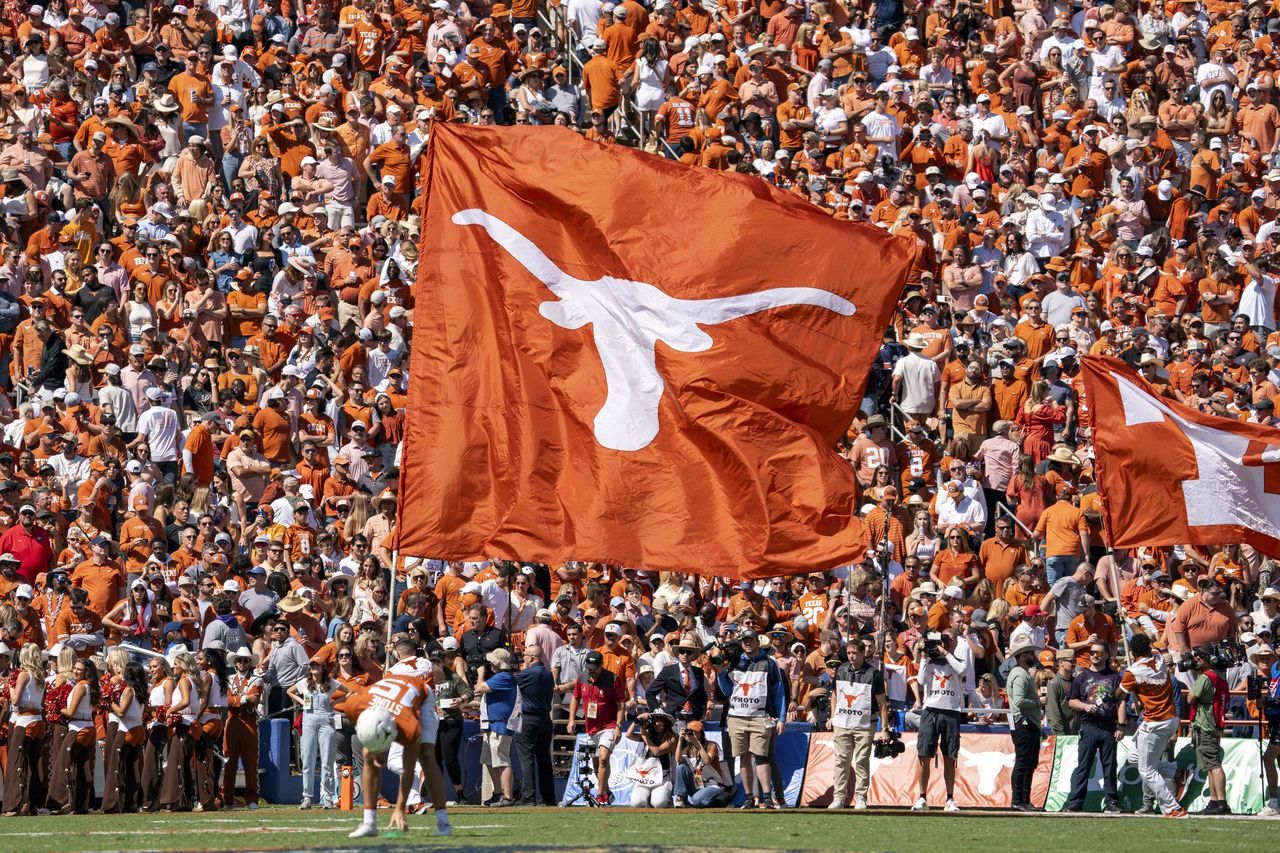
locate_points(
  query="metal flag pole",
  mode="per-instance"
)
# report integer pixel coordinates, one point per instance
(1107, 538)
(391, 604)
(1115, 584)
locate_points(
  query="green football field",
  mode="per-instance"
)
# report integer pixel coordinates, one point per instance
(554, 829)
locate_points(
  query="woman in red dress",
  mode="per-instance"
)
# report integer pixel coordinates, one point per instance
(1037, 419)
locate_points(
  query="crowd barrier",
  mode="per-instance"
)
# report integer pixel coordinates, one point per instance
(806, 760)
(986, 763)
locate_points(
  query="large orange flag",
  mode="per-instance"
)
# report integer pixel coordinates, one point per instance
(1171, 475)
(622, 359)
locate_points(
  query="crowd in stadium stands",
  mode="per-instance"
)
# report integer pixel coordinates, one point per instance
(208, 249)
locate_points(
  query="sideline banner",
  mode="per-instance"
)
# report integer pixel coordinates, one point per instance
(983, 771)
(1239, 761)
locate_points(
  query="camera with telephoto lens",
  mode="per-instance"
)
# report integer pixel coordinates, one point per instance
(729, 654)
(1257, 688)
(1231, 652)
(1220, 655)
(933, 646)
(891, 748)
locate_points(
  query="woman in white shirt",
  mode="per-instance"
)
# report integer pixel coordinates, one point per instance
(767, 163)
(318, 735)
(1018, 262)
(923, 542)
(986, 695)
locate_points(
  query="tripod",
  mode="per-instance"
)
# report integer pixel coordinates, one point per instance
(582, 758)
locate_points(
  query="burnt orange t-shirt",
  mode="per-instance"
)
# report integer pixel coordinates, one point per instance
(276, 434)
(1155, 693)
(189, 89)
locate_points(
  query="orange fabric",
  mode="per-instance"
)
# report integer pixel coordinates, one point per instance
(1142, 469)
(766, 401)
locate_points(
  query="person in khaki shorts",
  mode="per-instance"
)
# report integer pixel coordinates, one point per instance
(753, 688)
(858, 698)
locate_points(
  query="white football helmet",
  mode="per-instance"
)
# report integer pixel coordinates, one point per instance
(376, 729)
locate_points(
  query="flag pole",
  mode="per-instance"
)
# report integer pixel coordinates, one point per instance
(391, 604)
(1115, 584)
(1107, 538)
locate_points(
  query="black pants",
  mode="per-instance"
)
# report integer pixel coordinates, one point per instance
(347, 744)
(1026, 755)
(1094, 743)
(533, 745)
(995, 498)
(449, 748)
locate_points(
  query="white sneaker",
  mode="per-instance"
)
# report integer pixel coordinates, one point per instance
(1269, 811)
(835, 805)
(860, 804)
(364, 830)
(922, 805)
(951, 806)
(678, 802)
(442, 824)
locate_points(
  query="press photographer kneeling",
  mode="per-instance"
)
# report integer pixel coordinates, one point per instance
(651, 774)
(702, 778)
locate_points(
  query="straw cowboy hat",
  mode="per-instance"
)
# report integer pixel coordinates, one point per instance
(124, 124)
(292, 602)
(689, 641)
(78, 354)
(1065, 456)
(1023, 647)
(915, 340)
(302, 264)
(167, 104)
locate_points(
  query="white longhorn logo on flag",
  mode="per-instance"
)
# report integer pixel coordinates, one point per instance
(1230, 483)
(628, 318)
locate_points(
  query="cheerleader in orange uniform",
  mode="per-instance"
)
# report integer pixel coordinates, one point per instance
(56, 693)
(24, 778)
(178, 782)
(213, 671)
(156, 714)
(81, 740)
(125, 733)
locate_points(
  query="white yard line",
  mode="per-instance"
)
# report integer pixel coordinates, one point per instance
(196, 830)
(183, 832)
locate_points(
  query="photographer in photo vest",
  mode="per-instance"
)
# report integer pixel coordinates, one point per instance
(940, 692)
(752, 686)
(858, 699)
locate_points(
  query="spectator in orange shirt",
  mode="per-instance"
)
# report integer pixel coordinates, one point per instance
(1090, 626)
(1065, 533)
